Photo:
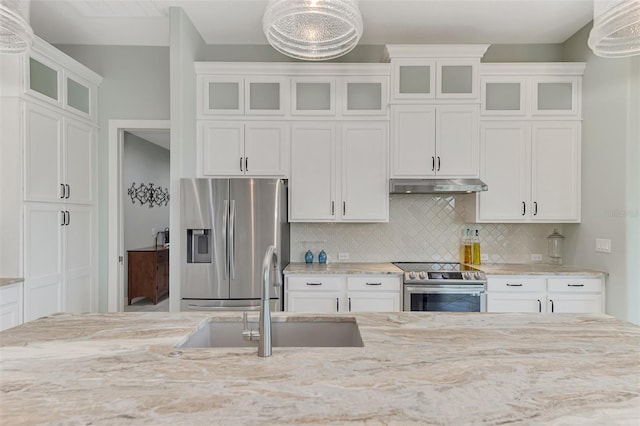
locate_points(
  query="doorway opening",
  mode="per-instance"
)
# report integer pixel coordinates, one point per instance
(139, 181)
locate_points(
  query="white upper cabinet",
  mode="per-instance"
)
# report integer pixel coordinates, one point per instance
(265, 95)
(221, 95)
(54, 78)
(313, 96)
(435, 72)
(532, 90)
(363, 95)
(322, 191)
(236, 148)
(532, 170)
(432, 141)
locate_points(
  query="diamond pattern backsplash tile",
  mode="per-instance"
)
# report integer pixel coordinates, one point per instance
(420, 228)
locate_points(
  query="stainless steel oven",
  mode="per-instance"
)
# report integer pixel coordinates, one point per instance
(443, 287)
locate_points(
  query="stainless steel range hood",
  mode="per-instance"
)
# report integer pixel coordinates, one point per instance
(436, 186)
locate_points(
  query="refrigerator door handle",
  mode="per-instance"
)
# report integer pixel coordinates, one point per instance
(232, 240)
(225, 220)
(223, 308)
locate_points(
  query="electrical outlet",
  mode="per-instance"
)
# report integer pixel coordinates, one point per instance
(603, 245)
(484, 257)
(536, 257)
(153, 231)
(343, 256)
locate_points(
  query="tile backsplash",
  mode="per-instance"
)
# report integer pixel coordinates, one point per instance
(420, 228)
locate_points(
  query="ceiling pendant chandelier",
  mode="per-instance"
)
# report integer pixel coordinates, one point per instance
(312, 30)
(16, 34)
(616, 28)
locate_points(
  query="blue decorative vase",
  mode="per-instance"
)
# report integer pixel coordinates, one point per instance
(308, 257)
(322, 257)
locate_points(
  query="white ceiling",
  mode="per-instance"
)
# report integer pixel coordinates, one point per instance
(146, 22)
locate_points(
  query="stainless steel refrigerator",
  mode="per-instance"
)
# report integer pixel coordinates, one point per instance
(226, 227)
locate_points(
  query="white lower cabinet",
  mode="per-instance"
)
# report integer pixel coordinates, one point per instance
(11, 297)
(545, 294)
(342, 293)
(59, 259)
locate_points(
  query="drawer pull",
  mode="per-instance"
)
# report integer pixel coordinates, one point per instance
(314, 283)
(575, 285)
(514, 285)
(374, 283)
(539, 306)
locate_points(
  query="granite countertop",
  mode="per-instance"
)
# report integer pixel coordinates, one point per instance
(536, 269)
(9, 281)
(342, 268)
(414, 368)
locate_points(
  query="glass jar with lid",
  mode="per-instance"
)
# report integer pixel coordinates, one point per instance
(554, 246)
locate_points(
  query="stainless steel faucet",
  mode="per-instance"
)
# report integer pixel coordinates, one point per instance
(264, 326)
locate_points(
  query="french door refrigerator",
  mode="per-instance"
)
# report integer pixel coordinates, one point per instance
(226, 227)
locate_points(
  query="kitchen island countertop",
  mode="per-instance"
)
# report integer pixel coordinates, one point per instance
(415, 368)
(348, 268)
(536, 269)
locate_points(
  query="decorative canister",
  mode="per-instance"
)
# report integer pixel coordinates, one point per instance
(322, 257)
(308, 257)
(554, 246)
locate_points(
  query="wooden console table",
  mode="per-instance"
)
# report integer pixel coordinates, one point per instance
(148, 273)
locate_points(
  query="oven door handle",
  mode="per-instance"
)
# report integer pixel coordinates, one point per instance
(426, 290)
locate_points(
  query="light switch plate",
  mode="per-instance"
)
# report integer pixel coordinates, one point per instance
(603, 245)
(536, 257)
(343, 256)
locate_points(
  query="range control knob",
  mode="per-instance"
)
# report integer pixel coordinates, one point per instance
(478, 275)
(412, 275)
(422, 275)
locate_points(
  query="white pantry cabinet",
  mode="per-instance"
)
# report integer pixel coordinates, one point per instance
(532, 170)
(11, 305)
(235, 148)
(59, 259)
(58, 157)
(48, 152)
(550, 294)
(339, 172)
(440, 141)
(342, 293)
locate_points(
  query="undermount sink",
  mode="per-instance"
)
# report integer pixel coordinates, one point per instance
(285, 332)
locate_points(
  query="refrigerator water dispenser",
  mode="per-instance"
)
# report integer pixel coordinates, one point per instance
(198, 246)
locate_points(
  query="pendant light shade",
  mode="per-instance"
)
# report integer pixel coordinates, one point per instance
(616, 28)
(16, 34)
(312, 30)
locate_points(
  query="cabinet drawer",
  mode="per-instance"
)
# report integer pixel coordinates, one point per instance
(315, 283)
(516, 283)
(10, 294)
(373, 283)
(162, 256)
(575, 284)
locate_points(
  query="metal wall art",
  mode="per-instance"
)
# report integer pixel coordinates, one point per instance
(148, 194)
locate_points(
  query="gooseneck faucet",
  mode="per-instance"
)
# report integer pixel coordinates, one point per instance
(264, 327)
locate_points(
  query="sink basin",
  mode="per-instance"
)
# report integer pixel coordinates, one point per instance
(285, 332)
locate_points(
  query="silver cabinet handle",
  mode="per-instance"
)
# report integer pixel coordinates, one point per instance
(575, 285)
(314, 283)
(225, 221)
(514, 285)
(552, 307)
(373, 283)
(241, 164)
(539, 306)
(535, 208)
(438, 163)
(524, 208)
(68, 190)
(232, 240)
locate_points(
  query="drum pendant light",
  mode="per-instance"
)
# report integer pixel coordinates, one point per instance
(16, 34)
(312, 30)
(616, 28)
